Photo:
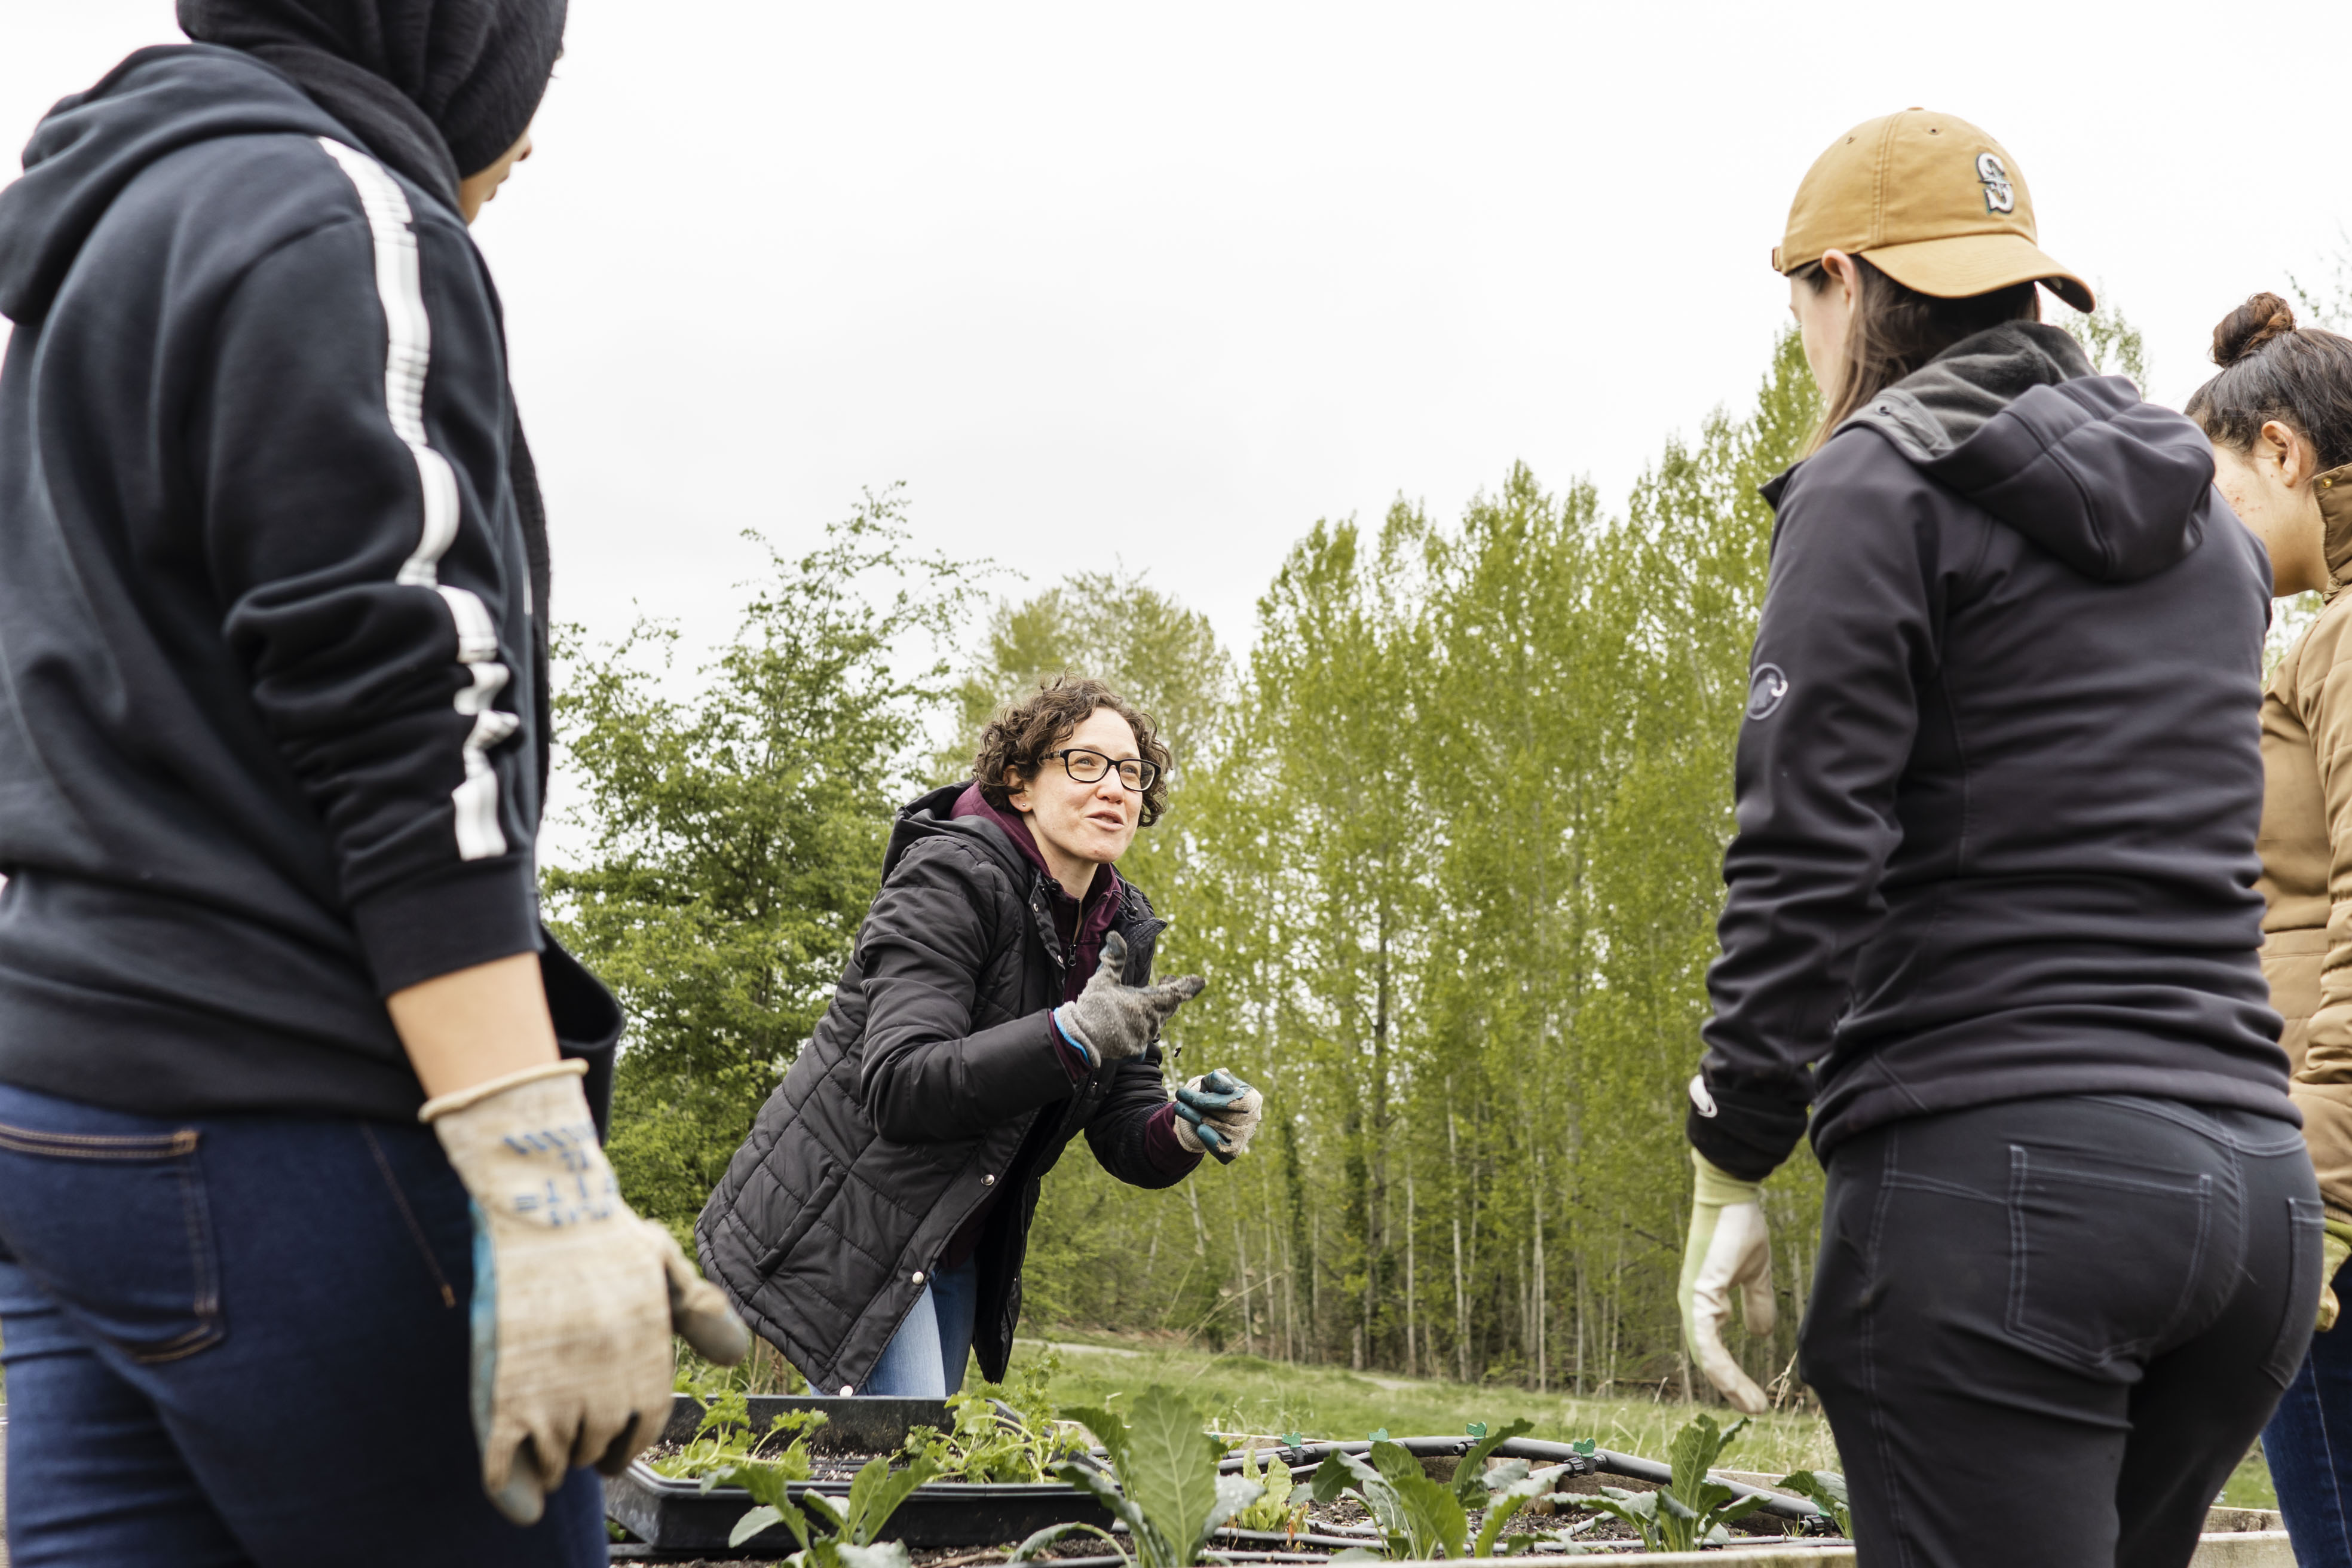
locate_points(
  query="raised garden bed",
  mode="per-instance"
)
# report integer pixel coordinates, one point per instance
(673, 1515)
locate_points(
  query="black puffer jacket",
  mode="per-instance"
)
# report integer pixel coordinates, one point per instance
(932, 1080)
(2000, 781)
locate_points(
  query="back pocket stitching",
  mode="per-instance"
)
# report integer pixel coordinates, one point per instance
(179, 1147)
(2200, 1187)
(100, 1146)
(196, 1216)
(2302, 1213)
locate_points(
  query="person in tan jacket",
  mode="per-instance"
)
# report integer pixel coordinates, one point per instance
(2280, 417)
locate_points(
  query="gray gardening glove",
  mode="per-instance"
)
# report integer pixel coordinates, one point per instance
(575, 1298)
(1218, 1114)
(1112, 1021)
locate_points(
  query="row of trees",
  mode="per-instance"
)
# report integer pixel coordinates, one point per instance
(1450, 861)
(1447, 846)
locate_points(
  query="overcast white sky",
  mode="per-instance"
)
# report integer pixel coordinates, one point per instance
(1165, 285)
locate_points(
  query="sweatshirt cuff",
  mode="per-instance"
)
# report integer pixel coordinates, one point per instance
(1067, 1051)
(1168, 1157)
(454, 919)
(1744, 1133)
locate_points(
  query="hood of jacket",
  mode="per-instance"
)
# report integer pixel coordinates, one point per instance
(933, 813)
(94, 143)
(2014, 420)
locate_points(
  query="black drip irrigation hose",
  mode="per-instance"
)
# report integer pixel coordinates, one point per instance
(1306, 1454)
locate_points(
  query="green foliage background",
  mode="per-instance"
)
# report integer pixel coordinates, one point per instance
(1446, 845)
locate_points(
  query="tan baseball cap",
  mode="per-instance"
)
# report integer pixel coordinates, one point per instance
(1935, 202)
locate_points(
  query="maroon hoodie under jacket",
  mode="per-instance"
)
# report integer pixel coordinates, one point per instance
(1082, 927)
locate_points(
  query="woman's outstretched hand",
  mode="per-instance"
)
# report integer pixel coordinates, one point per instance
(1217, 1114)
(1112, 1021)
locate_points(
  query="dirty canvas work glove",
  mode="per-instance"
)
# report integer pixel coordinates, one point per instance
(2334, 1246)
(574, 1296)
(1112, 1021)
(1218, 1114)
(1728, 1246)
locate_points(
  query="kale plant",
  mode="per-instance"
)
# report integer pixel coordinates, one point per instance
(831, 1535)
(1277, 1507)
(1690, 1510)
(1009, 1435)
(724, 1441)
(1418, 1516)
(1163, 1483)
(1827, 1488)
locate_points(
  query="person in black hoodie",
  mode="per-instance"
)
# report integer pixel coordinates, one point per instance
(995, 1006)
(272, 749)
(1991, 910)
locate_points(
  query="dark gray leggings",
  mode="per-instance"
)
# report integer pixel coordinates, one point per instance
(2045, 1332)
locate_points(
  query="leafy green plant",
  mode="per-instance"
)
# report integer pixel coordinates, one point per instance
(1690, 1510)
(1827, 1488)
(831, 1535)
(1006, 1434)
(1277, 1508)
(1163, 1483)
(1418, 1517)
(724, 1440)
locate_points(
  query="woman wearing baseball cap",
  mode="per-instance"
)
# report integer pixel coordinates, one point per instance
(1990, 917)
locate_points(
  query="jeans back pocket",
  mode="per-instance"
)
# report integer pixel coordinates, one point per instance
(2105, 1258)
(116, 1229)
(2306, 1237)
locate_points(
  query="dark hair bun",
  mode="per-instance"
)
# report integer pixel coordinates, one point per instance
(2249, 327)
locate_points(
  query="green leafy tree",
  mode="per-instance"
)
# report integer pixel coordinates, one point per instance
(736, 827)
(2107, 335)
(1153, 651)
(1452, 865)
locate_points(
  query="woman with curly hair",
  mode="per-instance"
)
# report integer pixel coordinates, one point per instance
(996, 1004)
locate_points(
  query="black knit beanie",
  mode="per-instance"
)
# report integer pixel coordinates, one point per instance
(437, 88)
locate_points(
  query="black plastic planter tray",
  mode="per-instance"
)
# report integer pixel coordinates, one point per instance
(1600, 1462)
(679, 1516)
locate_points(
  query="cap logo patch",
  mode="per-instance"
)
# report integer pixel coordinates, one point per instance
(1765, 690)
(2000, 196)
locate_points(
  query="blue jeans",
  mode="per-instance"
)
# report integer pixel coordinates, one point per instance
(2309, 1446)
(241, 1341)
(925, 1359)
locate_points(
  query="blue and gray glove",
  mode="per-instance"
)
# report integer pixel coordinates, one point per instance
(1218, 1114)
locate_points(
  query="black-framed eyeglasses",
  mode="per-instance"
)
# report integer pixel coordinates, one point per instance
(1088, 767)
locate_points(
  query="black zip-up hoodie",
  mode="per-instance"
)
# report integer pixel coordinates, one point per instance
(2000, 776)
(265, 693)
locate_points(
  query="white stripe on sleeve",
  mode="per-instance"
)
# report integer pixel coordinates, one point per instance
(408, 349)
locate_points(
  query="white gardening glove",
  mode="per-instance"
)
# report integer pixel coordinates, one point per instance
(1218, 1114)
(1728, 1246)
(574, 1296)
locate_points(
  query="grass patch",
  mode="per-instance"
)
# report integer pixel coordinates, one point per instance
(2249, 1484)
(1248, 1394)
